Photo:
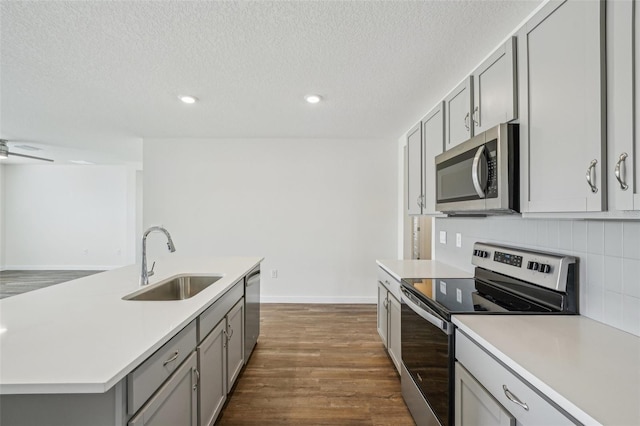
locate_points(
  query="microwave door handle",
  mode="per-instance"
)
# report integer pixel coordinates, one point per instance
(428, 316)
(475, 172)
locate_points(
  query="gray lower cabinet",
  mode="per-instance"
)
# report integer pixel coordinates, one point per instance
(389, 316)
(212, 364)
(474, 406)
(176, 401)
(393, 347)
(562, 108)
(524, 402)
(235, 343)
(383, 302)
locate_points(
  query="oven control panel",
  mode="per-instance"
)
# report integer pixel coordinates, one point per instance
(507, 258)
(545, 269)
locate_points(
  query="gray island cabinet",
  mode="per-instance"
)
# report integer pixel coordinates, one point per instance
(184, 382)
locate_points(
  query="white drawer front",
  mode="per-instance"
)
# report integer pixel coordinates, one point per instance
(145, 380)
(495, 377)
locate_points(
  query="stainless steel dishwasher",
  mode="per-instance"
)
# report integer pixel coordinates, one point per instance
(252, 311)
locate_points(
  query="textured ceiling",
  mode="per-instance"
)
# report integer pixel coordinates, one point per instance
(103, 75)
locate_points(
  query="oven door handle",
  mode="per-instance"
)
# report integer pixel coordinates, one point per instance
(426, 313)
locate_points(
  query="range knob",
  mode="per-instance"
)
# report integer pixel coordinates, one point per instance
(481, 253)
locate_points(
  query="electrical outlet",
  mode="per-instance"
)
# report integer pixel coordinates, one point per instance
(274, 273)
(458, 239)
(459, 295)
(443, 287)
(443, 237)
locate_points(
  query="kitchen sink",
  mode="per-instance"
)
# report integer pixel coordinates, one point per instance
(177, 288)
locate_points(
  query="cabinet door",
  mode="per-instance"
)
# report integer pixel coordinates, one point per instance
(235, 343)
(475, 406)
(494, 89)
(382, 313)
(212, 365)
(175, 403)
(458, 106)
(414, 170)
(562, 108)
(623, 111)
(432, 145)
(394, 331)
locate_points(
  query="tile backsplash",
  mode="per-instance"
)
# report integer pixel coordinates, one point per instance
(608, 255)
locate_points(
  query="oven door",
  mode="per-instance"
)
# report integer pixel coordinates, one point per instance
(428, 356)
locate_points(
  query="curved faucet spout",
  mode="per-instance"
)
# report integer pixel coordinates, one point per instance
(145, 274)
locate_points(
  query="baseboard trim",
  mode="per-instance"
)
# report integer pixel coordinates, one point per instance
(60, 267)
(319, 300)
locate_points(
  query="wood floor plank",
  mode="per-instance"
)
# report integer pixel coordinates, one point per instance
(317, 365)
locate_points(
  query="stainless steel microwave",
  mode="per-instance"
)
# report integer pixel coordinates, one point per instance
(480, 176)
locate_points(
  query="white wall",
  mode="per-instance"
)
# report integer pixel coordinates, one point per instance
(319, 211)
(69, 217)
(2, 204)
(608, 253)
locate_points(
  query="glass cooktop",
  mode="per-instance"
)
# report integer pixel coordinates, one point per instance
(471, 295)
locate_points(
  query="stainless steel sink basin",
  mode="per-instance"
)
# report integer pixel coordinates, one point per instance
(178, 288)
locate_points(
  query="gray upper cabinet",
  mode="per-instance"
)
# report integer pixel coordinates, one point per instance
(562, 108)
(459, 107)
(432, 145)
(494, 89)
(623, 111)
(414, 170)
(424, 141)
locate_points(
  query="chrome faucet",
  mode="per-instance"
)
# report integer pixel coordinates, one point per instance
(144, 276)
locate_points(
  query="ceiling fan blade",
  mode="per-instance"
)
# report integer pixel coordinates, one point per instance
(30, 156)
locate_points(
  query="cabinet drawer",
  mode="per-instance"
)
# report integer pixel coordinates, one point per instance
(214, 313)
(495, 377)
(389, 282)
(146, 379)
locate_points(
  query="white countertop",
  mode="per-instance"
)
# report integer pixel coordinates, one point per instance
(589, 369)
(421, 269)
(81, 337)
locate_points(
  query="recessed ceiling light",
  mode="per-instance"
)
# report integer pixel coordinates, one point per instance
(188, 99)
(313, 99)
(83, 162)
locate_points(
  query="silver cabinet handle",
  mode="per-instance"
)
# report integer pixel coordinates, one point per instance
(385, 303)
(514, 398)
(195, 386)
(475, 173)
(475, 116)
(621, 160)
(418, 201)
(466, 121)
(590, 173)
(230, 334)
(173, 358)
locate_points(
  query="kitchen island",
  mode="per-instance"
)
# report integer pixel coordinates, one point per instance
(76, 343)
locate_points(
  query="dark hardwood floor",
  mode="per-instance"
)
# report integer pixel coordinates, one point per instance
(317, 365)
